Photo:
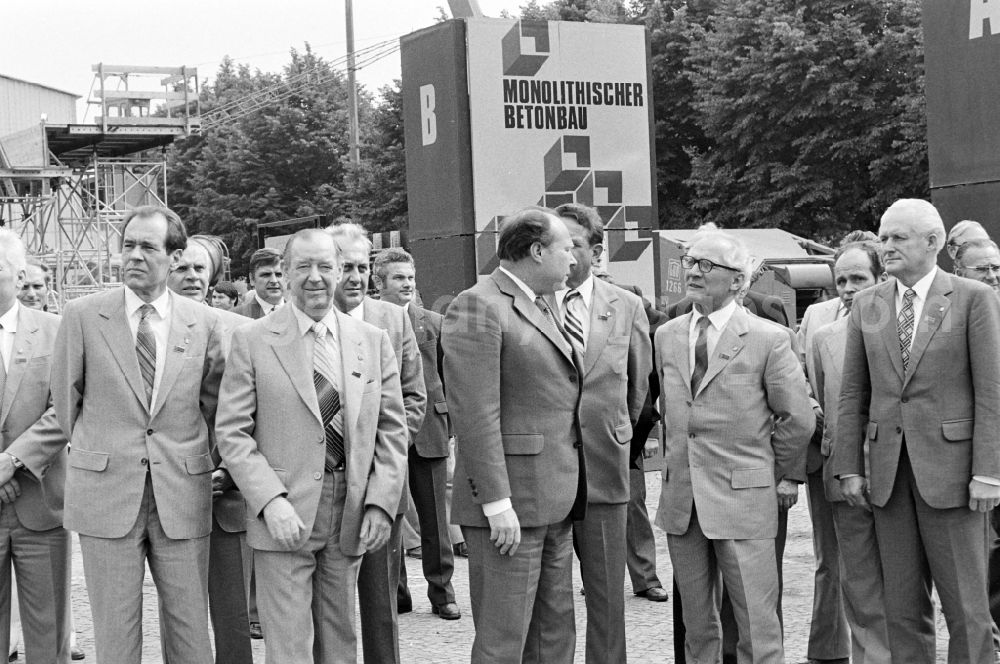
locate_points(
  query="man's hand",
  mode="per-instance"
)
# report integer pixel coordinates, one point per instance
(375, 528)
(221, 482)
(983, 496)
(855, 491)
(788, 494)
(283, 523)
(10, 491)
(7, 468)
(505, 532)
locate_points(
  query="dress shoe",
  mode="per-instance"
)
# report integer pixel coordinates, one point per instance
(403, 606)
(449, 611)
(657, 594)
(76, 653)
(461, 550)
(415, 552)
(13, 657)
(255, 631)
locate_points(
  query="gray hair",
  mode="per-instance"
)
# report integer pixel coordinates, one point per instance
(12, 248)
(972, 244)
(962, 228)
(347, 233)
(387, 256)
(923, 215)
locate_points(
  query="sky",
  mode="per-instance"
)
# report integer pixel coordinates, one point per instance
(55, 43)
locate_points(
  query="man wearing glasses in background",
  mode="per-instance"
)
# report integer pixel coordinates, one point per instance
(979, 260)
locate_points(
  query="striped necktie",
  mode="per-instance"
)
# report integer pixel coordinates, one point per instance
(325, 381)
(700, 354)
(572, 321)
(145, 350)
(904, 325)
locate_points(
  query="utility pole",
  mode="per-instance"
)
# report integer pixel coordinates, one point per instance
(352, 88)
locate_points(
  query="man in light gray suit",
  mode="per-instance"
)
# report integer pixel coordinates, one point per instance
(920, 382)
(135, 379)
(378, 580)
(311, 427)
(738, 419)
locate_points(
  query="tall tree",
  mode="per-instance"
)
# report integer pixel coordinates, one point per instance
(814, 113)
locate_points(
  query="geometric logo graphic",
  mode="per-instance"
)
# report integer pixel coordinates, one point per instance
(516, 61)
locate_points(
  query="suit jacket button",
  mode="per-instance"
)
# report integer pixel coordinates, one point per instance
(899, 429)
(905, 400)
(144, 461)
(317, 476)
(149, 432)
(691, 435)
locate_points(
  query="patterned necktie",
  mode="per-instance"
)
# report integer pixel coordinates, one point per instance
(145, 350)
(325, 381)
(904, 325)
(572, 321)
(700, 354)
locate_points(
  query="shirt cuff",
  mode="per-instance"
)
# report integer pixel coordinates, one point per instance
(496, 507)
(846, 475)
(986, 480)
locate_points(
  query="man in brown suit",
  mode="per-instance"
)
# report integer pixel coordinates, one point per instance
(395, 274)
(514, 395)
(32, 472)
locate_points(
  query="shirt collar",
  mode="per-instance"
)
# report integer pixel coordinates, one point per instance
(160, 304)
(265, 305)
(520, 284)
(305, 322)
(358, 312)
(585, 289)
(719, 318)
(921, 288)
(9, 319)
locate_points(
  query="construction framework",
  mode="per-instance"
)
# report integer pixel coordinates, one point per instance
(65, 189)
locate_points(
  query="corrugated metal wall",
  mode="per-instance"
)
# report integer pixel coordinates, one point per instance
(22, 104)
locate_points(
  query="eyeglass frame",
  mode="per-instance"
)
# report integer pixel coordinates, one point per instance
(688, 262)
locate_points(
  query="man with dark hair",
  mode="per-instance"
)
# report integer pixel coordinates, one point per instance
(608, 328)
(225, 296)
(979, 260)
(395, 274)
(268, 284)
(514, 384)
(135, 378)
(312, 428)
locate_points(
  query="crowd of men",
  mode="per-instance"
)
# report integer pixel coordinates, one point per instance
(259, 453)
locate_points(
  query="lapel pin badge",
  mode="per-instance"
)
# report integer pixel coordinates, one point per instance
(356, 374)
(606, 315)
(723, 356)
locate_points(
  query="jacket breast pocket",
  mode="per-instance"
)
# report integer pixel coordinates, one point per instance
(87, 460)
(955, 431)
(199, 464)
(752, 478)
(522, 443)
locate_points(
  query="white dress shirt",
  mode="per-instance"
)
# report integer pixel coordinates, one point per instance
(358, 312)
(266, 306)
(586, 290)
(9, 323)
(159, 324)
(332, 337)
(921, 288)
(717, 323)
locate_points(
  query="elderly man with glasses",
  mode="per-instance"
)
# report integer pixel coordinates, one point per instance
(979, 260)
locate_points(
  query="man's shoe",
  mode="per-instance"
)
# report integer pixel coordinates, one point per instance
(76, 654)
(415, 552)
(461, 550)
(13, 657)
(255, 631)
(403, 606)
(449, 611)
(657, 594)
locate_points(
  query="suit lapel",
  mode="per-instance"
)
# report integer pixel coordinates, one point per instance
(283, 329)
(602, 319)
(729, 346)
(352, 362)
(116, 333)
(178, 340)
(21, 353)
(530, 311)
(935, 309)
(682, 351)
(890, 333)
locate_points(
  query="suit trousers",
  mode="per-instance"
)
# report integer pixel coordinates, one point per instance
(639, 538)
(829, 636)
(428, 484)
(41, 562)
(748, 568)
(522, 605)
(306, 596)
(378, 582)
(599, 540)
(863, 587)
(920, 545)
(994, 575)
(114, 569)
(228, 588)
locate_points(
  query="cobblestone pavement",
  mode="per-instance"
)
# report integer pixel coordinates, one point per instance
(425, 638)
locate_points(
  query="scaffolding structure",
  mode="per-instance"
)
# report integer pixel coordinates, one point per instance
(65, 189)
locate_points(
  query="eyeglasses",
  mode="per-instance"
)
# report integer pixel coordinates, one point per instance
(704, 265)
(984, 269)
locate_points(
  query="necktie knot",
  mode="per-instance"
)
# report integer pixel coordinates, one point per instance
(571, 295)
(703, 323)
(145, 311)
(909, 296)
(319, 330)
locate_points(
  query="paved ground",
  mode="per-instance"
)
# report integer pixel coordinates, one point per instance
(426, 638)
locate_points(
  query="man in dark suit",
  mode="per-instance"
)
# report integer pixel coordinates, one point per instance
(920, 381)
(32, 472)
(268, 293)
(395, 274)
(608, 328)
(378, 580)
(514, 386)
(135, 379)
(312, 428)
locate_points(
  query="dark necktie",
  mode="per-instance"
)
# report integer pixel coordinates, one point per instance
(325, 381)
(904, 325)
(700, 354)
(572, 322)
(145, 350)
